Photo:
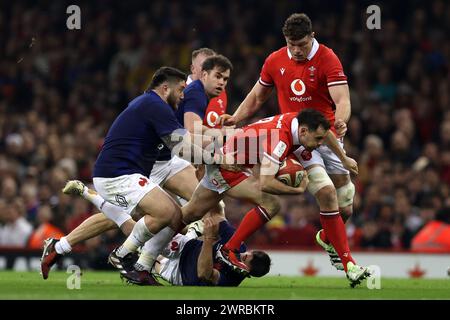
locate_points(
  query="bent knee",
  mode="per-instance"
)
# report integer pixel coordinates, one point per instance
(171, 213)
(346, 213)
(327, 197)
(191, 213)
(318, 180)
(345, 195)
(271, 204)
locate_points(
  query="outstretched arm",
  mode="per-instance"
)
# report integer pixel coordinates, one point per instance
(341, 98)
(348, 163)
(191, 148)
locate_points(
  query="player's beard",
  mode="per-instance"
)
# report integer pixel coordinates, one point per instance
(172, 101)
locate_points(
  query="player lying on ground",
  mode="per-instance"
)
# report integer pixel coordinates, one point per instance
(194, 262)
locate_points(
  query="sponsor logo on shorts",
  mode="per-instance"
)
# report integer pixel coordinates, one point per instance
(174, 246)
(121, 200)
(306, 155)
(143, 181)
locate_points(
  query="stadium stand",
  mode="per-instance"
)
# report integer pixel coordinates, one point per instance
(60, 89)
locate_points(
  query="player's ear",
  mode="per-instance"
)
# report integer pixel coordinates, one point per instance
(303, 130)
(166, 89)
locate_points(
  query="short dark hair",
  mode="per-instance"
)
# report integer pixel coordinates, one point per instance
(313, 119)
(260, 264)
(164, 74)
(219, 61)
(297, 26)
(204, 51)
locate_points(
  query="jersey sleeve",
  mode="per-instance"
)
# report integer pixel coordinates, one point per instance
(195, 102)
(276, 150)
(265, 77)
(163, 120)
(334, 72)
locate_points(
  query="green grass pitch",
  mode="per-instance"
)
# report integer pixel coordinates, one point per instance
(108, 285)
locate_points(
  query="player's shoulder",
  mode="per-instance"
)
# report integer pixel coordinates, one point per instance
(141, 101)
(278, 55)
(289, 121)
(194, 87)
(325, 53)
(148, 97)
(289, 115)
(151, 103)
(282, 117)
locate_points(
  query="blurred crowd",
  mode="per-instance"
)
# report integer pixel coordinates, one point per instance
(61, 89)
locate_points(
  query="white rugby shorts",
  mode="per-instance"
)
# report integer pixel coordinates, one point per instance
(124, 191)
(220, 180)
(164, 170)
(322, 156)
(170, 265)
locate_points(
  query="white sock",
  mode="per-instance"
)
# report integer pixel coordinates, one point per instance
(154, 247)
(93, 197)
(111, 211)
(145, 262)
(63, 246)
(139, 235)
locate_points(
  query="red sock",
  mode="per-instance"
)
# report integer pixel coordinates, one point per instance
(252, 221)
(323, 234)
(335, 230)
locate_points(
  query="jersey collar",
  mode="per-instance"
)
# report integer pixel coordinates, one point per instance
(313, 52)
(294, 132)
(189, 79)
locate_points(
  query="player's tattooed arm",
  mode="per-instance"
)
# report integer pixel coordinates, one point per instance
(191, 148)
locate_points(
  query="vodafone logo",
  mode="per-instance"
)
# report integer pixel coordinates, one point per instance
(298, 87)
(211, 118)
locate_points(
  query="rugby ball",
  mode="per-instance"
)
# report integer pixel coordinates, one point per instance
(291, 172)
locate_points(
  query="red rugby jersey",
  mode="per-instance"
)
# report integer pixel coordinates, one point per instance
(274, 137)
(304, 84)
